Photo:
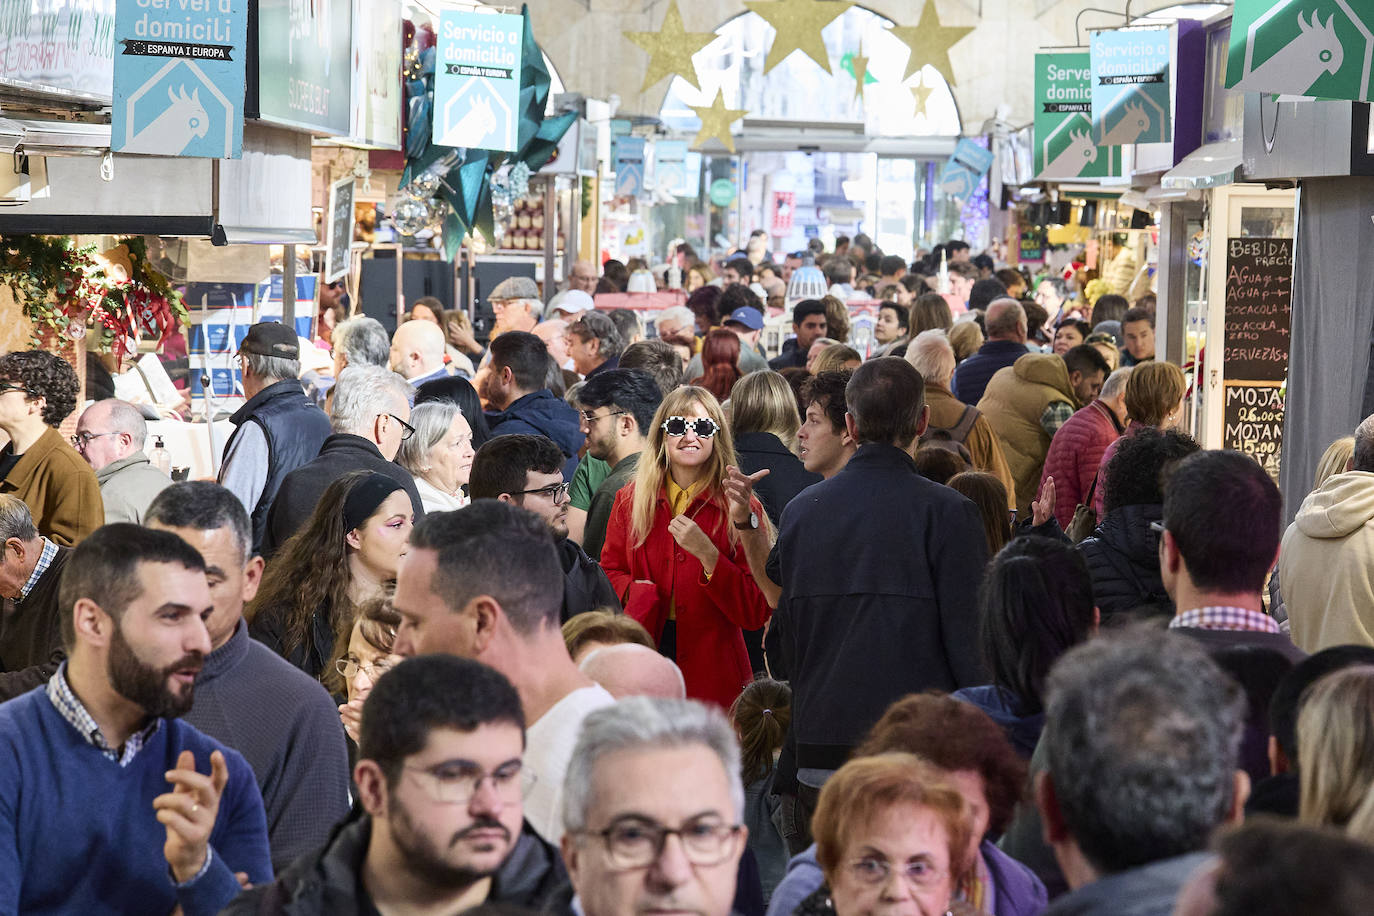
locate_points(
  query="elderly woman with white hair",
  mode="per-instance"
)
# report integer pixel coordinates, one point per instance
(439, 455)
(955, 425)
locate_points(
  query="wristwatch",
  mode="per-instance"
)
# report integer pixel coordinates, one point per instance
(751, 525)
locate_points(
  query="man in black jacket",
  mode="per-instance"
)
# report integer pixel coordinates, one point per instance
(515, 386)
(880, 570)
(370, 416)
(527, 471)
(30, 626)
(440, 784)
(277, 430)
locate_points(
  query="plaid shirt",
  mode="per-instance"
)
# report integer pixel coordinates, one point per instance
(44, 561)
(60, 693)
(1225, 618)
(1055, 416)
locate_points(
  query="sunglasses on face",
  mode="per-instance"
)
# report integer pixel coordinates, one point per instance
(704, 427)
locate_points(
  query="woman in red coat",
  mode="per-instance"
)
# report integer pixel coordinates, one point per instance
(673, 555)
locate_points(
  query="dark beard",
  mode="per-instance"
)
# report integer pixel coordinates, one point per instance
(426, 862)
(146, 686)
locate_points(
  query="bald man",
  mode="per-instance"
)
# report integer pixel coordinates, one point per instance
(632, 670)
(1006, 343)
(110, 435)
(417, 352)
(584, 276)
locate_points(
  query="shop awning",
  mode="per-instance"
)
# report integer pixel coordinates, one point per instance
(1208, 166)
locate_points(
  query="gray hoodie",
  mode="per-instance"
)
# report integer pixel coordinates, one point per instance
(1326, 564)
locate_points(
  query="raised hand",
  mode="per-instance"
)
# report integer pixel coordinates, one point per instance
(188, 812)
(692, 539)
(1043, 508)
(739, 491)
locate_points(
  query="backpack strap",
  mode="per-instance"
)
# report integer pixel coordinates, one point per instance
(959, 432)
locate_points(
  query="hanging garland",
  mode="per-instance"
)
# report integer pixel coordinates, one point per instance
(66, 291)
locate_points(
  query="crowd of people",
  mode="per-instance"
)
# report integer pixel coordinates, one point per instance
(603, 616)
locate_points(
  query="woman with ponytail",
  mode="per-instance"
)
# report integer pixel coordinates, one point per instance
(761, 715)
(673, 556)
(719, 363)
(1036, 603)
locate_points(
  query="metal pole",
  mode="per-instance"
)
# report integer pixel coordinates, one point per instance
(550, 235)
(288, 286)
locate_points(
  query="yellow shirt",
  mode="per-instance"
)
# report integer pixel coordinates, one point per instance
(679, 500)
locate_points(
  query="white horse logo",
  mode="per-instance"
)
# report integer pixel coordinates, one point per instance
(1300, 63)
(1133, 124)
(477, 124)
(1074, 158)
(172, 131)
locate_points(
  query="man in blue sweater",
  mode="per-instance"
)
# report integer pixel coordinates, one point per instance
(249, 697)
(104, 805)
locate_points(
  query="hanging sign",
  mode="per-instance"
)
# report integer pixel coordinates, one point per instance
(670, 168)
(61, 47)
(964, 170)
(179, 79)
(1132, 94)
(477, 79)
(339, 231)
(1063, 120)
(1032, 244)
(629, 166)
(375, 109)
(304, 77)
(1319, 48)
(784, 208)
(722, 192)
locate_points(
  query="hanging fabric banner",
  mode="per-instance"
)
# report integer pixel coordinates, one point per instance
(1319, 48)
(1132, 92)
(1063, 120)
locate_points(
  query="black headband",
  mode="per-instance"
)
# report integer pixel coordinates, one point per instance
(366, 495)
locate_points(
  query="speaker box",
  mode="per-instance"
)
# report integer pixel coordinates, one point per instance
(377, 288)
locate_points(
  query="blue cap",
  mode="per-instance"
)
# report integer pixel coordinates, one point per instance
(751, 318)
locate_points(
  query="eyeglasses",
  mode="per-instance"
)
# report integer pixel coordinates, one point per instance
(1157, 527)
(704, 427)
(349, 667)
(81, 440)
(591, 415)
(406, 429)
(636, 843)
(453, 783)
(7, 387)
(554, 491)
(876, 872)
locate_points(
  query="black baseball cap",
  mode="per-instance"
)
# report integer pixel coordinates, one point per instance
(271, 338)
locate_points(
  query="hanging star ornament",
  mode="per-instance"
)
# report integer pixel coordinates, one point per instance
(715, 122)
(671, 49)
(930, 42)
(860, 71)
(798, 24)
(921, 93)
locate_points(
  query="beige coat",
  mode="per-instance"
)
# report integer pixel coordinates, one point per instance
(1013, 403)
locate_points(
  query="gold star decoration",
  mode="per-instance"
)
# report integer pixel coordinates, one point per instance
(671, 49)
(921, 93)
(860, 73)
(715, 122)
(930, 42)
(798, 24)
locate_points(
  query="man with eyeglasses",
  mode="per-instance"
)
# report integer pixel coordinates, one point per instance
(526, 471)
(247, 696)
(617, 410)
(110, 436)
(652, 806)
(370, 416)
(441, 782)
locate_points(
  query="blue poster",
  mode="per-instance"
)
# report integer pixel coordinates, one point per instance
(965, 170)
(178, 78)
(670, 166)
(1132, 93)
(629, 166)
(477, 79)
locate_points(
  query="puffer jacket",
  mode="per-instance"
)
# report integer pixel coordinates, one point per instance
(1013, 403)
(1123, 560)
(1075, 455)
(1327, 564)
(542, 413)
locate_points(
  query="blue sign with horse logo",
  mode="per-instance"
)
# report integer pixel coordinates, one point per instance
(477, 79)
(178, 78)
(964, 170)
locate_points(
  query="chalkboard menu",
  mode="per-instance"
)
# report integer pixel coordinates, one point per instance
(1032, 243)
(1254, 422)
(1259, 296)
(339, 229)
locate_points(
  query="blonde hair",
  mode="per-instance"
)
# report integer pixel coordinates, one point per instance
(836, 318)
(865, 786)
(763, 402)
(1336, 751)
(965, 337)
(1334, 459)
(834, 357)
(1153, 390)
(652, 471)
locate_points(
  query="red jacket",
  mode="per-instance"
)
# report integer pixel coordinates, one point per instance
(1075, 455)
(710, 615)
